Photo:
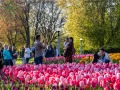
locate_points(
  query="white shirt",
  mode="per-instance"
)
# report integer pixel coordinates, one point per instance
(27, 53)
(105, 57)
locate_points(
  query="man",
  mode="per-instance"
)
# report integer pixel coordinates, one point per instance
(39, 50)
(104, 57)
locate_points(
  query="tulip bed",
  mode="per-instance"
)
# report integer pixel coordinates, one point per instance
(86, 59)
(67, 76)
(61, 59)
(115, 57)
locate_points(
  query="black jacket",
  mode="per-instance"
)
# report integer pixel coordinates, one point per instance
(1, 65)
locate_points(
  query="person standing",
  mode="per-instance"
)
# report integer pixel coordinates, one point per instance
(7, 57)
(33, 51)
(27, 54)
(39, 50)
(22, 55)
(11, 52)
(1, 65)
(66, 42)
(49, 52)
(15, 55)
(55, 51)
(65, 45)
(69, 51)
(52, 51)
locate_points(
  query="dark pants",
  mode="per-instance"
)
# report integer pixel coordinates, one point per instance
(8, 62)
(38, 60)
(27, 60)
(68, 59)
(1, 65)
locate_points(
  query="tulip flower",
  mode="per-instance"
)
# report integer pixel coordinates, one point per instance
(117, 86)
(63, 76)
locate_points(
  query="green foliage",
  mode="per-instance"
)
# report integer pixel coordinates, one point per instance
(96, 21)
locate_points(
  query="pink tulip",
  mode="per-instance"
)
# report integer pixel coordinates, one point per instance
(77, 77)
(100, 78)
(118, 76)
(64, 75)
(94, 82)
(117, 86)
(103, 83)
(81, 84)
(27, 78)
(106, 88)
(113, 79)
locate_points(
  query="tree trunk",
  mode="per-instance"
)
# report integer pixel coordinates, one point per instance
(28, 37)
(27, 25)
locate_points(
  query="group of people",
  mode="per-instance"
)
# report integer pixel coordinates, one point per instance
(47, 52)
(50, 52)
(38, 51)
(69, 50)
(8, 55)
(101, 57)
(41, 49)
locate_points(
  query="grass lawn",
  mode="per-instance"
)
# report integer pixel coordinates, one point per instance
(19, 61)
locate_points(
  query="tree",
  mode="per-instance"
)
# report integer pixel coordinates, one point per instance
(10, 29)
(46, 18)
(96, 21)
(27, 16)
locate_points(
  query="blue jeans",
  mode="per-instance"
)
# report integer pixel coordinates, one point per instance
(38, 60)
(8, 62)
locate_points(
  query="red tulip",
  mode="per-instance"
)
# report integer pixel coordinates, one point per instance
(106, 88)
(116, 86)
(104, 83)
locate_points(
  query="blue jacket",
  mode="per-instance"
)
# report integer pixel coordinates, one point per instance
(6, 54)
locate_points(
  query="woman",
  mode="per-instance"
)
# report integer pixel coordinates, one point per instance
(27, 54)
(95, 58)
(1, 65)
(69, 51)
(66, 43)
(7, 57)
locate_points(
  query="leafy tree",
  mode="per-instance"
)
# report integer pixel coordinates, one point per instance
(26, 18)
(11, 26)
(96, 21)
(45, 19)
